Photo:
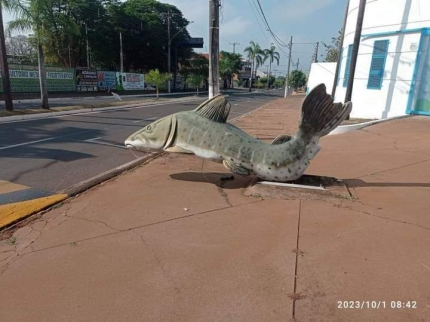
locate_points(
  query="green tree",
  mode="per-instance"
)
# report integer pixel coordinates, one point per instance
(229, 64)
(273, 56)
(154, 77)
(279, 82)
(196, 80)
(254, 54)
(197, 65)
(297, 79)
(34, 17)
(332, 50)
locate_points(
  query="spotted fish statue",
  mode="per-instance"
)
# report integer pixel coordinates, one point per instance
(205, 133)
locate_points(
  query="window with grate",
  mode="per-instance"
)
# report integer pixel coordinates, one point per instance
(377, 67)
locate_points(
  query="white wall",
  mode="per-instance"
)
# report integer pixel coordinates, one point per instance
(322, 73)
(384, 16)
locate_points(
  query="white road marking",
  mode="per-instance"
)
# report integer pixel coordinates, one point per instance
(38, 141)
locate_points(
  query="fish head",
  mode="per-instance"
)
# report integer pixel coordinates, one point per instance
(155, 136)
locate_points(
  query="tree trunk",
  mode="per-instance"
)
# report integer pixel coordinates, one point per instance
(197, 91)
(4, 67)
(252, 70)
(42, 77)
(268, 76)
(157, 91)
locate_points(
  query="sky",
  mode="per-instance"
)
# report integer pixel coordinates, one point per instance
(307, 21)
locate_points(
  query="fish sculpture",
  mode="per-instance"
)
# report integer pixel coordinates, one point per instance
(205, 133)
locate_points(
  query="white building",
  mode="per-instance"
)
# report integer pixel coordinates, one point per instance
(392, 74)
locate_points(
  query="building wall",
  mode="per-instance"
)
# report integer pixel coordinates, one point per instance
(398, 22)
(322, 73)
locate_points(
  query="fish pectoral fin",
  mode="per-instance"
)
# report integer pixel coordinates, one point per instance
(215, 109)
(235, 168)
(280, 139)
(177, 149)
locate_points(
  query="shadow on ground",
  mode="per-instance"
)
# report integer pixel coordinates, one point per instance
(222, 180)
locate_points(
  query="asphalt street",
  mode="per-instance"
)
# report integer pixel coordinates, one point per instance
(56, 153)
(72, 101)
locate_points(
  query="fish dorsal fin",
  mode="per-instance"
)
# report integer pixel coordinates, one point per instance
(215, 109)
(281, 139)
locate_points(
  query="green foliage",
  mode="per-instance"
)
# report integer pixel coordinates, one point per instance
(297, 79)
(279, 82)
(154, 77)
(229, 64)
(256, 55)
(196, 80)
(332, 50)
(62, 27)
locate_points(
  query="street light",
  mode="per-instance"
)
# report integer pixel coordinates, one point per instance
(169, 48)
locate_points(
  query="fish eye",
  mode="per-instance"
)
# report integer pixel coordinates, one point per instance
(149, 127)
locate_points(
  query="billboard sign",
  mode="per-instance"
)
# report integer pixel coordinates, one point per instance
(86, 80)
(106, 80)
(25, 79)
(130, 81)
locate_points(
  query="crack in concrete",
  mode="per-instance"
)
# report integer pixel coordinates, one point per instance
(96, 222)
(296, 296)
(224, 195)
(396, 168)
(137, 227)
(158, 260)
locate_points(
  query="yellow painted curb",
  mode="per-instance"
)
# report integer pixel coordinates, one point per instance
(19, 210)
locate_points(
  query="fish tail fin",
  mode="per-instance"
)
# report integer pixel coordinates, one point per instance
(320, 115)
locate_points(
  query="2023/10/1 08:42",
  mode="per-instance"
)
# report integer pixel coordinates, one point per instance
(377, 304)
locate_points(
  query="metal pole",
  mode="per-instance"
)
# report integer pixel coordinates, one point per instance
(355, 49)
(339, 60)
(88, 47)
(213, 48)
(289, 66)
(168, 50)
(121, 53)
(234, 46)
(4, 67)
(316, 52)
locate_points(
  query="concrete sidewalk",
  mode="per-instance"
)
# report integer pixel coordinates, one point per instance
(170, 241)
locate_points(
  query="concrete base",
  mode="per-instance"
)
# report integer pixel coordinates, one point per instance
(307, 187)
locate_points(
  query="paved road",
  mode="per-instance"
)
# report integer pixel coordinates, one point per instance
(56, 153)
(72, 101)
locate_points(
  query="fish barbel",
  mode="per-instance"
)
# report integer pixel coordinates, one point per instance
(205, 133)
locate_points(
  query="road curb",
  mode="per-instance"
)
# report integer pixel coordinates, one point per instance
(91, 182)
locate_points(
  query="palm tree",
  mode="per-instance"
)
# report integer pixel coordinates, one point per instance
(254, 54)
(31, 18)
(272, 55)
(229, 64)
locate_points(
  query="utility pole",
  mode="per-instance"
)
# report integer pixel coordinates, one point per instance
(168, 50)
(213, 48)
(121, 54)
(88, 47)
(339, 59)
(4, 67)
(287, 82)
(234, 46)
(316, 52)
(355, 48)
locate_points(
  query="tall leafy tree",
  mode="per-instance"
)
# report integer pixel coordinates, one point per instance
(33, 16)
(273, 56)
(229, 64)
(297, 79)
(254, 54)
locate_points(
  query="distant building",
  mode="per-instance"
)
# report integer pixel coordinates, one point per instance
(392, 75)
